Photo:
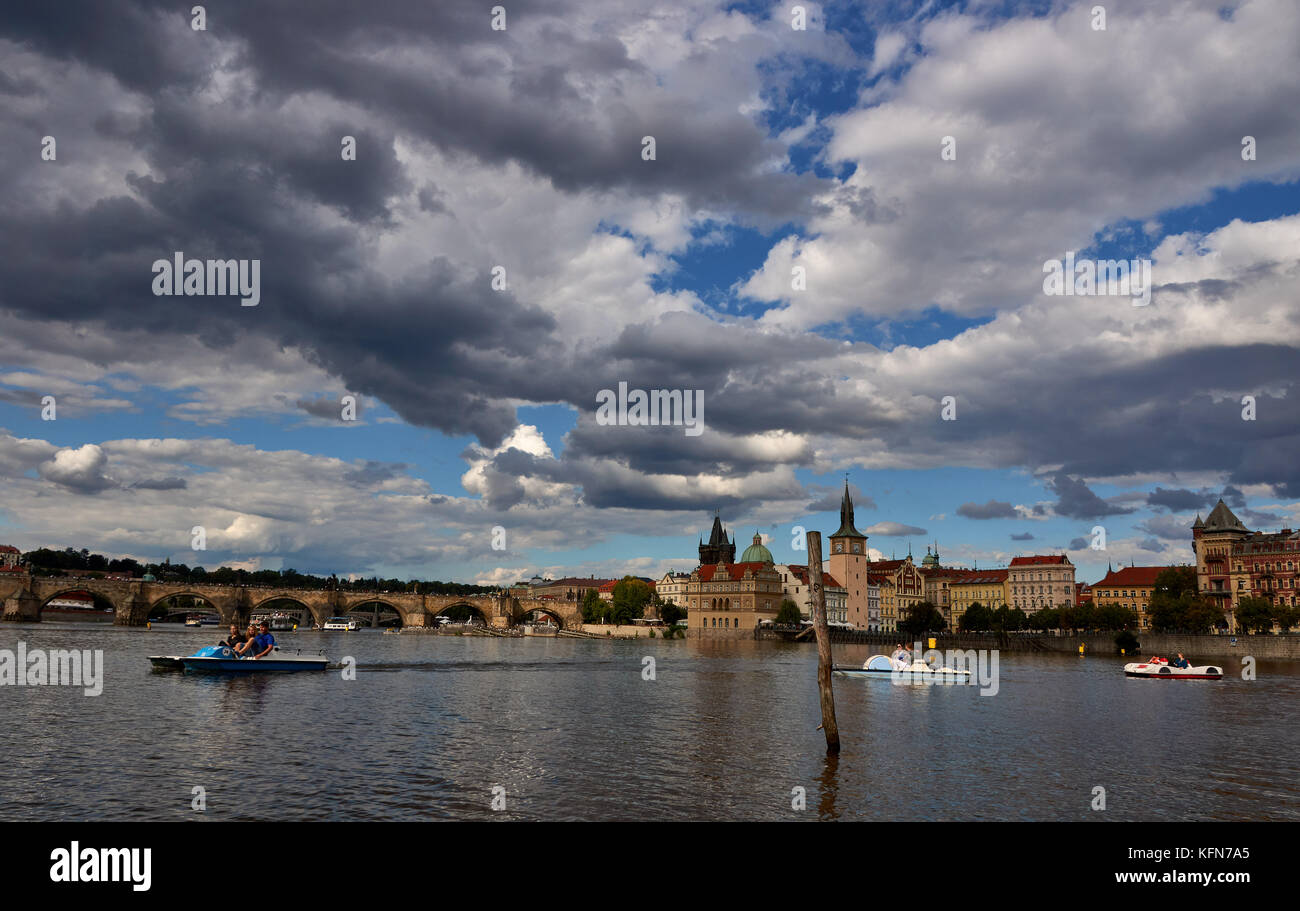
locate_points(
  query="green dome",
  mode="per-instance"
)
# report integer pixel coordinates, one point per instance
(756, 552)
(148, 577)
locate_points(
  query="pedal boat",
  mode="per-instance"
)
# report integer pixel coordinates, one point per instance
(221, 659)
(1162, 669)
(917, 672)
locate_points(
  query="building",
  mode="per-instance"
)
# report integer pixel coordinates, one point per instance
(1130, 587)
(795, 586)
(986, 587)
(1040, 581)
(1082, 594)
(886, 600)
(720, 548)
(567, 589)
(732, 596)
(9, 557)
(907, 583)
(848, 562)
(938, 580)
(1233, 562)
(672, 587)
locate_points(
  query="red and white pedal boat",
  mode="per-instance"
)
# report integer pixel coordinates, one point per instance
(1159, 667)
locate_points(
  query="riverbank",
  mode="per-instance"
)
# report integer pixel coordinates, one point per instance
(1264, 647)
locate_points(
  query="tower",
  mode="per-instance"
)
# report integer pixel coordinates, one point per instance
(848, 561)
(720, 548)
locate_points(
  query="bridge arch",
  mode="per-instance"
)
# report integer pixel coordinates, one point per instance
(530, 614)
(101, 600)
(158, 610)
(462, 608)
(357, 605)
(309, 614)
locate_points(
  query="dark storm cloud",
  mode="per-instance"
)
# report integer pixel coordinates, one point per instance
(993, 509)
(326, 408)
(1171, 528)
(1076, 501)
(1027, 536)
(1176, 499)
(1151, 544)
(893, 530)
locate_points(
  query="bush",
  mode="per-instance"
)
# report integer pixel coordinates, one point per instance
(1127, 643)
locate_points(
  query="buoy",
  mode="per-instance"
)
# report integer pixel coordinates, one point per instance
(148, 625)
(1081, 649)
(931, 643)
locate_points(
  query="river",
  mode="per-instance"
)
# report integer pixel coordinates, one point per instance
(572, 730)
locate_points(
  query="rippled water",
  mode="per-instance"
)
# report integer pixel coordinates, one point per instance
(571, 731)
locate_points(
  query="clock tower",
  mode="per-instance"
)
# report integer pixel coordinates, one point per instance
(848, 561)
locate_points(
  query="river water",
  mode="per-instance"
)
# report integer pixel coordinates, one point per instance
(572, 730)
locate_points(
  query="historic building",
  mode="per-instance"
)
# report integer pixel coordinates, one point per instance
(1130, 587)
(720, 548)
(672, 587)
(986, 587)
(848, 563)
(567, 589)
(938, 583)
(732, 596)
(9, 557)
(887, 601)
(1233, 562)
(795, 586)
(907, 588)
(1040, 581)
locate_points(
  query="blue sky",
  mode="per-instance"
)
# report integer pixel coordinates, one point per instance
(817, 149)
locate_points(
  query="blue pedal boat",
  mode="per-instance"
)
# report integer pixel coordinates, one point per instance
(221, 659)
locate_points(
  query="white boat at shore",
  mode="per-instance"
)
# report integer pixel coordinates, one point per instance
(882, 666)
(345, 624)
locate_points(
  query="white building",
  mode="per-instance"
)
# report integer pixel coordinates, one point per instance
(795, 586)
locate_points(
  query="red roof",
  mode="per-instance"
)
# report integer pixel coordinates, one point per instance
(1039, 559)
(734, 570)
(1132, 576)
(985, 576)
(8, 549)
(798, 569)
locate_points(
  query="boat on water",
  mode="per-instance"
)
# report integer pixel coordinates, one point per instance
(193, 620)
(342, 623)
(282, 622)
(1162, 669)
(221, 659)
(882, 666)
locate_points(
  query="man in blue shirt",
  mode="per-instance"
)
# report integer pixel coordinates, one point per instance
(264, 644)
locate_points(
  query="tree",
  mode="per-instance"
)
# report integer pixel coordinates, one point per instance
(1115, 616)
(1255, 615)
(788, 614)
(922, 617)
(594, 610)
(670, 613)
(975, 617)
(631, 595)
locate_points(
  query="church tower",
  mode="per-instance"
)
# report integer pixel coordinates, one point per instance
(848, 561)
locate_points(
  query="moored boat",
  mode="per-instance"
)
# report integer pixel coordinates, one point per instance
(342, 623)
(1162, 669)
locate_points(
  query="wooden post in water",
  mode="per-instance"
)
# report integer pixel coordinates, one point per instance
(823, 643)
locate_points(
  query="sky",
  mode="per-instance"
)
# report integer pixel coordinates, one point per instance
(839, 241)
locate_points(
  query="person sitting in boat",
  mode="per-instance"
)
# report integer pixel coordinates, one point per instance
(901, 657)
(235, 639)
(264, 644)
(1180, 661)
(245, 648)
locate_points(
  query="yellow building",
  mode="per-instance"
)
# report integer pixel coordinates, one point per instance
(1130, 587)
(987, 587)
(732, 596)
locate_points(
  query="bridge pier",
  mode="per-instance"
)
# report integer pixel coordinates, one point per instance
(133, 612)
(22, 606)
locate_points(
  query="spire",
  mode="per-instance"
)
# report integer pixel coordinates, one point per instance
(846, 529)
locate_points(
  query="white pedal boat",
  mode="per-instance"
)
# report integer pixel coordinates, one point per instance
(1159, 667)
(916, 672)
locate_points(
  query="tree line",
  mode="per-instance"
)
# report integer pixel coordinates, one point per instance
(49, 562)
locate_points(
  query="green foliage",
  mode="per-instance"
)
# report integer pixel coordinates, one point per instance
(976, 618)
(670, 613)
(1255, 615)
(788, 614)
(922, 617)
(631, 595)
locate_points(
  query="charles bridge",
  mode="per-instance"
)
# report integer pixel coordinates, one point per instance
(24, 598)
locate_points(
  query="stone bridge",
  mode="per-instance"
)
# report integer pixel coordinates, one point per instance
(24, 598)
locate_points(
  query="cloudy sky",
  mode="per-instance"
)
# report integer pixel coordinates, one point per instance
(778, 152)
